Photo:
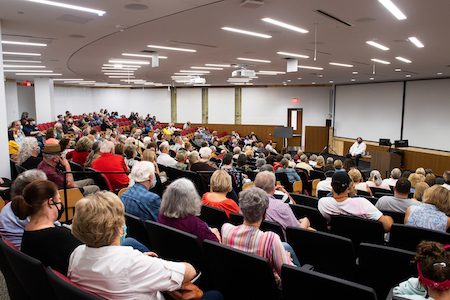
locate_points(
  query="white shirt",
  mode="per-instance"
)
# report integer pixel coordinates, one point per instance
(357, 148)
(359, 207)
(390, 181)
(166, 160)
(270, 148)
(119, 272)
(324, 185)
(447, 186)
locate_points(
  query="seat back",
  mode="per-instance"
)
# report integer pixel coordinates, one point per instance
(297, 187)
(272, 226)
(328, 253)
(236, 219)
(321, 194)
(314, 285)
(65, 289)
(73, 196)
(408, 237)
(13, 170)
(393, 265)
(239, 275)
(15, 288)
(30, 272)
(316, 219)
(79, 168)
(314, 186)
(377, 190)
(213, 216)
(283, 178)
(136, 230)
(159, 187)
(358, 229)
(100, 179)
(316, 174)
(123, 191)
(305, 200)
(398, 217)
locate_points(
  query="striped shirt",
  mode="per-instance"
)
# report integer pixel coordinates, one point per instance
(252, 240)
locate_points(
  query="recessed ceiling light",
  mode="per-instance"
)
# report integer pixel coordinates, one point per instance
(355, 73)
(143, 55)
(408, 75)
(393, 9)
(121, 76)
(288, 80)
(291, 27)
(398, 70)
(416, 42)
(78, 81)
(190, 74)
(171, 48)
(22, 61)
(380, 61)
(353, 79)
(206, 68)
(21, 53)
(439, 73)
(133, 62)
(331, 81)
(69, 79)
(299, 78)
(341, 65)
(371, 78)
(95, 11)
(379, 46)
(24, 44)
(21, 66)
(218, 65)
(293, 54)
(34, 71)
(320, 75)
(247, 32)
(253, 59)
(309, 67)
(106, 69)
(39, 74)
(118, 74)
(403, 59)
(313, 82)
(120, 66)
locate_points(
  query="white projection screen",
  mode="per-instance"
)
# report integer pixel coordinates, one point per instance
(371, 111)
(427, 110)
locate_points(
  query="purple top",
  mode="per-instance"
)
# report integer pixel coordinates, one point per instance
(52, 173)
(190, 224)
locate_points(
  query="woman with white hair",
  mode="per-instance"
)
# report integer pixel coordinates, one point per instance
(28, 156)
(205, 153)
(180, 208)
(375, 180)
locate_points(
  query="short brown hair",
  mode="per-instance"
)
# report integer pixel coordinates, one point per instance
(98, 218)
(221, 182)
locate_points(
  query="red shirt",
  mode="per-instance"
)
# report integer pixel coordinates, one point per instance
(79, 157)
(228, 205)
(112, 163)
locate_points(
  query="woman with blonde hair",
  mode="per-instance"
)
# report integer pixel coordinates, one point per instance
(421, 187)
(355, 175)
(220, 186)
(320, 163)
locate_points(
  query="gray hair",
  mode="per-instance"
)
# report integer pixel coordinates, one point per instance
(122, 138)
(303, 158)
(265, 180)
(253, 203)
(147, 140)
(213, 148)
(260, 162)
(313, 157)
(180, 200)
(205, 152)
(261, 155)
(287, 156)
(237, 150)
(83, 144)
(25, 149)
(376, 177)
(396, 173)
(24, 179)
(330, 160)
(141, 172)
(106, 147)
(193, 157)
(137, 133)
(163, 146)
(90, 158)
(266, 168)
(49, 157)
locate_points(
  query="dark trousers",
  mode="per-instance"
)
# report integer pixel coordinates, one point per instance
(357, 157)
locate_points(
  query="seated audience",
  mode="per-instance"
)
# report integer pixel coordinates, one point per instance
(254, 203)
(50, 244)
(330, 160)
(396, 173)
(108, 162)
(130, 154)
(178, 143)
(242, 163)
(375, 180)
(196, 165)
(355, 175)
(259, 163)
(28, 156)
(94, 154)
(236, 152)
(181, 160)
(341, 204)
(270, 148)
(338, 166)
(277, 163)
(299, 153)
(19, 135)
(320, 163)
(421, 187)
(433, 213)
(312, 160)
(430, 179)
(220, 186)
(415, 178)
(280, 191)
(292, 163)
(13, 146)
(180, 207)
(399, 202)
(138, 200)
(348, 165)
(291, 173)
(433, 265)
(59, 131)
(164, 158)
(82, 149)
(227, 165)
(303, 164)
(205, 153)
(278, 211)
(446, 179)
(325, 185)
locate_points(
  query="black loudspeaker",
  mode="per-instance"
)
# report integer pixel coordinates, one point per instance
(328, 123)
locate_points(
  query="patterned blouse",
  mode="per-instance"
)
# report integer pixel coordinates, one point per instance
(427, 216)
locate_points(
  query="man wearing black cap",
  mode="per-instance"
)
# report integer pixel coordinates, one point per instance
(340, 204)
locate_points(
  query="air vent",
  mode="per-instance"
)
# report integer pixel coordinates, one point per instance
(332, 17)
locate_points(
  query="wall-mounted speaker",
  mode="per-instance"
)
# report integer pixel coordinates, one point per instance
(328, 123)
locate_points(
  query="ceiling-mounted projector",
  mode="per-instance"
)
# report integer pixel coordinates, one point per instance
(252, 3)
(197, 80)
(243, 73)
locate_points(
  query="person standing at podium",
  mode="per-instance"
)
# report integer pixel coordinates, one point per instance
(357, 150)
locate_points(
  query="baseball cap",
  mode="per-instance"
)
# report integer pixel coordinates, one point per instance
(340, 178)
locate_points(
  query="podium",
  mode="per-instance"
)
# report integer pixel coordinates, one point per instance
(385, 162)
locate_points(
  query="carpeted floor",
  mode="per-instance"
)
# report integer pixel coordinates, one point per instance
(3, 289)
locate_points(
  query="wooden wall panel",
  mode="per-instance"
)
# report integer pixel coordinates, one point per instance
(316, 138)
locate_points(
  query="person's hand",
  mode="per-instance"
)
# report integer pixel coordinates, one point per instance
(216, 233)
(280, 188)
(305, 222)
(289, 255)
(65, 163)
(245, 176)
(1, 181)
(152, 254)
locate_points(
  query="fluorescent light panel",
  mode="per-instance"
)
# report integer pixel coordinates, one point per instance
(24, 44)
(206, 68)
(247, 32)
(22, 61)
(172, 48)
(69, 79)
(34, 71)
(293, 54)
(121, 76)
(22, 66)
(341, 65)
(380, 61)
(253, 59)
(143, 55)
(190, 74)
(416, 42)
(120, 66)
(133, 62)
(193, 71)
(21, 53)
(393, 9)
(118, 74)
(217, 65)
(379, 46)
(291, 27)
(39, 74)
(403, 59)
(277, 72)
(309, 67)
(75, 7)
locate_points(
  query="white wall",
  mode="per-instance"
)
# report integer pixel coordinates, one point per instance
(12, 102)
(189, 105)
(26, 101)
(76, 100)
(221, 109)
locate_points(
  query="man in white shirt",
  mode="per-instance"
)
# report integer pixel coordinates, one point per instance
(357, 150)
(164, 158)
(396, 173)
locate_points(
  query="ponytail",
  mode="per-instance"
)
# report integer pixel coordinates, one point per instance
(21, 208)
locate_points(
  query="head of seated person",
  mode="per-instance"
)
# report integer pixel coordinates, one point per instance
(355, 175)
(279, 157)
(320, 162)
(228, 160)
(284, 163)
(337, 164)
(438, 196)
(402, 188)
(181, 200)
(329, 170)
(415, 178)
(421, 187)
(221, 182)
(375, 176)
(253, 202)
(430, 179)
(242, 160)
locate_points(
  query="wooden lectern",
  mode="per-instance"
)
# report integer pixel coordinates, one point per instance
(385, 162)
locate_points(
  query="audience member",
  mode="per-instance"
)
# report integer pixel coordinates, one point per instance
(320, 163)
(299, 153)
(181, 160)
(13, 146)
(227, 165)
(180, 207)
(421, 187)
(130, 154)
(28, 156)
(355, 175)
(375, 180)
(312, 160)
(341, 204)
(82, 149)
(395, 175)
(415, 178)
(220, 186)
(178, 143)
(94, 154)
(338, 166)
(206, 152)
(399, 202)
(348, 165)
(303, 164)
(270, 148)
(430, 179)
(19, 136)
(259, 163)
(330, 160)
(325, 185)
(433, 214)
(164, 158)
(446, 179)
(291, 173)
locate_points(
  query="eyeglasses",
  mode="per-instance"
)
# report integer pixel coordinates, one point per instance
(70, 123)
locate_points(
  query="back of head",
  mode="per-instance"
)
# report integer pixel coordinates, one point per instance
(284, 163)
(119, 149)
(430, 179)
(303, 158)
(420, 171)
(142, 171)
(260, 162)
(237, 150)
(415, 178)
(265, 180)
(340, 182)
(181, 156)
(164, 146)
(433, 262)
(24, 179)
(278, 158)
(446, 176)
(107, 147)
(193, 157)
(180, 200)
(253, 202)
(338, 164)
(439, 196)
(221, 182)
(98, 219)
(421, 187)
(227, 159)
(406, 174)
(130, 151)
(330, 160)
(242, 160)
(33, 197)
(269, 159)
(348, 164)
(403, 186)
(266, 168)
(320, 161)
(205, 152)
(147, 140)
(375, 176)
(313, 157)
(329, 170)
(355, 175)
(25, 149)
